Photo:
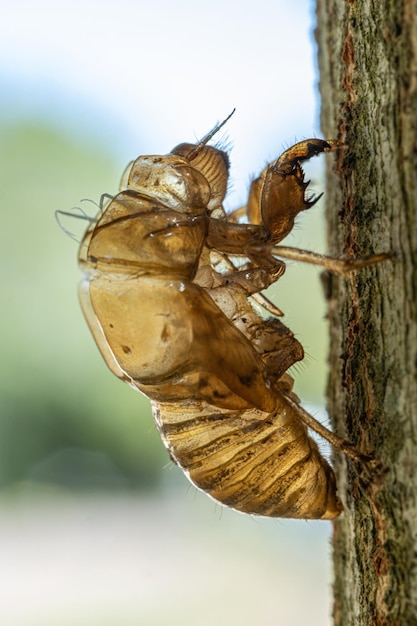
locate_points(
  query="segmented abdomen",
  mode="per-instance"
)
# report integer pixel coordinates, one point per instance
(254, 462)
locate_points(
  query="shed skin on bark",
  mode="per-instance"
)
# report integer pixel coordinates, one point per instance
(367, 54)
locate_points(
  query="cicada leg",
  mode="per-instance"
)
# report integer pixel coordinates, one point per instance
(341, 266)
(237, 214)
(335, 440)
(267, 304)
(217, 269)
(279, 193)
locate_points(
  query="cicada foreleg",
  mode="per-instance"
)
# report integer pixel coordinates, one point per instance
(279, 193)
(275, 199)
(250, 241)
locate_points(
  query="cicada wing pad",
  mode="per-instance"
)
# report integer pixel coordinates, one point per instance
(98, 334)
(192, 351)
(163, 332)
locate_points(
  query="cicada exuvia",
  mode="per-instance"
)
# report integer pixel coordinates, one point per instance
(169, 308)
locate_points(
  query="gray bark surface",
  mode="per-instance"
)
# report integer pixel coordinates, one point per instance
(368, 83)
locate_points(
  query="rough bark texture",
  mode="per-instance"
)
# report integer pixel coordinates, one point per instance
(368, 82)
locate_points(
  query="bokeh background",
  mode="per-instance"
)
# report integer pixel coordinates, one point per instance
(96, 525)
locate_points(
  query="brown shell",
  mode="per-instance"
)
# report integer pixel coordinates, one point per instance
(168, 306)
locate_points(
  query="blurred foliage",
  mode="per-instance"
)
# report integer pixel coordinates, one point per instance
(63, 417)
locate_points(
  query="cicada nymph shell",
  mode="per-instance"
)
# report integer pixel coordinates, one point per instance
(169, 309)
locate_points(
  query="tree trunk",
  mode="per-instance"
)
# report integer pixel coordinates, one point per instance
(368, 82)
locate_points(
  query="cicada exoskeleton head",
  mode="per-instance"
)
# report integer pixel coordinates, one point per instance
(172, 180)
(212, 163)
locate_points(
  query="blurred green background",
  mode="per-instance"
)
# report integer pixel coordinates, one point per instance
(64, 418)
(86, 87)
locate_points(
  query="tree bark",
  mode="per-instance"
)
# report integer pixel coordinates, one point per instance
(368, 82)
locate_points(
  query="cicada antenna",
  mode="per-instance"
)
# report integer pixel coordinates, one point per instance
(101, 203)
(214, 130)
(82, 215)
(198, 146)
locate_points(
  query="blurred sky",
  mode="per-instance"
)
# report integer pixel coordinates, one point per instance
(142, 76)
(130, 78)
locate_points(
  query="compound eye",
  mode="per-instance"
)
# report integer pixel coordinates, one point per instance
(211, 162)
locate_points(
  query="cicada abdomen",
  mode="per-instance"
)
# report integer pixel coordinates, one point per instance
(255, 462)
